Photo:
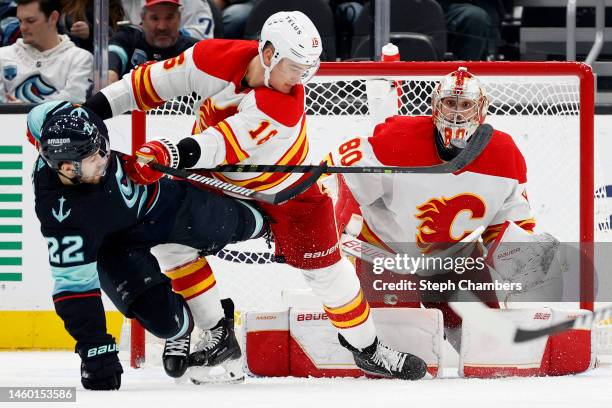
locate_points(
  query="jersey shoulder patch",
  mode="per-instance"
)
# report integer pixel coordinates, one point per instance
(500, 158)
(224, 59)
(287, 109)
(405, 141)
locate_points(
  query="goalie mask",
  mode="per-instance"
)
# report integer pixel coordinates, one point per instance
(459, 106)
(72, 139)
(294, 37)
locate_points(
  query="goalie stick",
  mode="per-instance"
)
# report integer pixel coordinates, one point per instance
(478, 142)
(580, 322)
(243, 192)
(350, 246)
(368, 252)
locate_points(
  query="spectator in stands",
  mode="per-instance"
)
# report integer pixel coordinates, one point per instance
(77, 19)
(43, 65)
(235, 15)
(158, 39)
(196, 17)
(9, 25)
(474, 27)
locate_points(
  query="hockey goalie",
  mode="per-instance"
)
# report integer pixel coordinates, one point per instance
(429, 216)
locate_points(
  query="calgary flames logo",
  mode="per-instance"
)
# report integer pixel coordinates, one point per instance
(210, 114)
(438, 216)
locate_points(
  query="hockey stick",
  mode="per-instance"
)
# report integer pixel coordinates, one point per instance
(243, 192)
(580, 322)
(350, 246)
(477, 144)
(368, 252)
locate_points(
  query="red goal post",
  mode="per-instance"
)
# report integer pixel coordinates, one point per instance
(548, 106)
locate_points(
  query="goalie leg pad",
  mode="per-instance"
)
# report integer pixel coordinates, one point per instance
(302, 343)
(565, 353)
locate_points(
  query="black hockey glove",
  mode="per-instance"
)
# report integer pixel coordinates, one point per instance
(100, 366)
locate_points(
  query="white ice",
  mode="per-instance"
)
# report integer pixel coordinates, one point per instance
(148, 388)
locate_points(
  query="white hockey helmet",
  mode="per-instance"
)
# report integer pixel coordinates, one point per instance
(293, 36)
(459, 106)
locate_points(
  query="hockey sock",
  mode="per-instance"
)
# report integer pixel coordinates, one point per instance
(196, 282)
(338, 288)
(193, 278)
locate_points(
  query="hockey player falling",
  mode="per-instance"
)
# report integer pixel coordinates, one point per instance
(420, 214)
(252, 111)
(100, 227)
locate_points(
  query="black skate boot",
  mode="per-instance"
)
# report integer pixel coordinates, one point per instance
(176, 352)
(176, 356)
(217, 347)
(379, 360)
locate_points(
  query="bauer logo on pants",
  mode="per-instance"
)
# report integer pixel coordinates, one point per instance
(321, 254)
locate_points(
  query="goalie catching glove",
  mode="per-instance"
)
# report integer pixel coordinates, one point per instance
(100, 366)
(160, 151)
(535, 263)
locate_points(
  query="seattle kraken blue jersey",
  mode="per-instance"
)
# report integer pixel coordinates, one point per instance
(76, 220)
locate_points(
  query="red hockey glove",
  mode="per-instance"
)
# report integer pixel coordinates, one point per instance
(161, 151)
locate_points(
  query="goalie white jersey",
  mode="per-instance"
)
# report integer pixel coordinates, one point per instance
(402, 210)
(233, 124)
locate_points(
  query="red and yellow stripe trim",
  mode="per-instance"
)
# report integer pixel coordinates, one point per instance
(192, 279)
(233, 151)
(295, 155)
(493, 231)
(351, 314)
(528, 225)
(144, 92)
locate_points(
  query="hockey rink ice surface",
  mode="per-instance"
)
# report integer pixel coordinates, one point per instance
(150, 387)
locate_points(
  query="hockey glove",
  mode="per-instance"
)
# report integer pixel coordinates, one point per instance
(161, 151)
(100, 366)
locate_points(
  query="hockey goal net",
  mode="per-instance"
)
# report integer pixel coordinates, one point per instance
(548, 108)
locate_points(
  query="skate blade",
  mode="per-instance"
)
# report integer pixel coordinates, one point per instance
(229, 372)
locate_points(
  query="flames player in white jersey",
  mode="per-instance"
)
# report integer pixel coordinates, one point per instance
(421, 213)
(252, 111)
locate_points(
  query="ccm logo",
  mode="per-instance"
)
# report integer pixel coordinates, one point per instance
(311, 316)
(320, 254)
(541, 316)
(265, 318)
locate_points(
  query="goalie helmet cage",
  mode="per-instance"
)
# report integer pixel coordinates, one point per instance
(547, 107)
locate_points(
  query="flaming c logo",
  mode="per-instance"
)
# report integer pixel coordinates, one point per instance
(210, 114)
(438, 215)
